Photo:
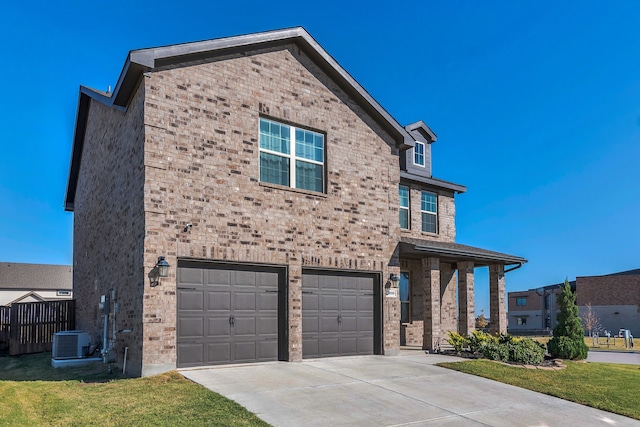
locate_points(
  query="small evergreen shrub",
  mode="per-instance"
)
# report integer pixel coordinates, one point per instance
(496, 351)
(477, 340)
(459, 342)
(568, 335)
(567, 348)
(526, 351)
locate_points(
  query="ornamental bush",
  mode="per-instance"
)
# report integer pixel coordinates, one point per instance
(477, 340)
(568, 335)
(567, 348)
(526, 351)
(459, 342)
(496, 351)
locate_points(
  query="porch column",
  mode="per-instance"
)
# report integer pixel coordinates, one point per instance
(466, 301)
(448, 306)
(431, 302)
(498, 308)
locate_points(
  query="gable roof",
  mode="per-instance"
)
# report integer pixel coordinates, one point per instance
(421, 132)
(35, 276)
(143, 60)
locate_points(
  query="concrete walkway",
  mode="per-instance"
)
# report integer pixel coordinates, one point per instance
(405, 390)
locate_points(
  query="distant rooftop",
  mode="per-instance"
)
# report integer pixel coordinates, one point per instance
(15, 275)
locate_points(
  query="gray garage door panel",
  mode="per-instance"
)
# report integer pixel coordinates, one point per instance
(337, 314)
(226, 314)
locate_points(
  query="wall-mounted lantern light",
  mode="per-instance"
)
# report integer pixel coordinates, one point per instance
(394, 279)
(163, 267)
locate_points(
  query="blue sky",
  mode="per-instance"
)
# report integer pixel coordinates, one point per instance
(536, 105)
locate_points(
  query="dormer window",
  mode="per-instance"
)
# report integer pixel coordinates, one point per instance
(418, 154)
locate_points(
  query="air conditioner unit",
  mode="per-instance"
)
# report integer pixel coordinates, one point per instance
(71, 344)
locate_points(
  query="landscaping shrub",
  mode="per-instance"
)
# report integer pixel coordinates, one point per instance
(496, 351)
(567, 348)
(459, 342)
(568, 335)
(477, 340)
(503, 347)
(526, 351)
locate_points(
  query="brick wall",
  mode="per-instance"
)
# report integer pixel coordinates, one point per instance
(414, 330)
(623, 289)
(202, 167)
(109, 225)
(446, 214)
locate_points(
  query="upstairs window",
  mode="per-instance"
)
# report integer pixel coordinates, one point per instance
(404, 207)
(521, 301)
(301, 167)
(418, 154)
(429, 212)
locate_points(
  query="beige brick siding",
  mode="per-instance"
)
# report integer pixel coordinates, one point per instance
(446, 214)
(413, 331)
(109, 224)
(202, 167)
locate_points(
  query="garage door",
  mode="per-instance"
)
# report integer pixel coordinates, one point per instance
(227, 313)
(339, 314)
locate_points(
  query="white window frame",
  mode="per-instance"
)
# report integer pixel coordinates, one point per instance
(416, 154)
(407, 208)
(423, 212)
(292, 154)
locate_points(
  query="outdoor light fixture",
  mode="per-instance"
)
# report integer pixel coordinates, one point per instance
(163, 267)
(394, 279)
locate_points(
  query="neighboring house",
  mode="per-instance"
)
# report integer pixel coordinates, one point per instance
(34, 282)
(614, 299)
(286, 201)
(535, 311)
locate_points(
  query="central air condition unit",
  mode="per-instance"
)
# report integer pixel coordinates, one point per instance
(71, 344)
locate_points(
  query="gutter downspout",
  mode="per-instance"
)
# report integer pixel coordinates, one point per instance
(513, 268)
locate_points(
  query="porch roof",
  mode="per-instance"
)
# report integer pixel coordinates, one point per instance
(454, 252)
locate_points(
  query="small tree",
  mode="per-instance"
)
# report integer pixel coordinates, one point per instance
(481, 321)
(591, 323)
(568, 335)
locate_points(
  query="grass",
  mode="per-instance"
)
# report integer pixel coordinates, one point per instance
(616, 344)
(606, 386)
(34, 394)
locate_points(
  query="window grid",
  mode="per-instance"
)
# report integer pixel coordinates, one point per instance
(521, 302)
(404, 207)
(418, 154)
(302, 167)
(429, 212)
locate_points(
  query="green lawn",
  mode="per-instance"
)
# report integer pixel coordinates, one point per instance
(34, 394)
(614, 388)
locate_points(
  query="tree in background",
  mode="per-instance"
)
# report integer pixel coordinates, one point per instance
(481, 321)
(568, 335)
(591, 323)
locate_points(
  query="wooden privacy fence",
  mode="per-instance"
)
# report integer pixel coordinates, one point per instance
(30, 326)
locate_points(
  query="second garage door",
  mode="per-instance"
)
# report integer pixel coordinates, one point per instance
(339, 314)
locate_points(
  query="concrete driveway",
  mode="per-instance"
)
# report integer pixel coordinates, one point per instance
(404, 390)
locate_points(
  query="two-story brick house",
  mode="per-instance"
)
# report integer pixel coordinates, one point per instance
(286, 201)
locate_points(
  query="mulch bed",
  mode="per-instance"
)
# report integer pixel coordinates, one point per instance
(548, 364)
